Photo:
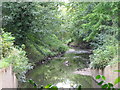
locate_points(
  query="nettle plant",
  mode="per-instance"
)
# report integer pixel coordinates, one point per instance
(109, 86)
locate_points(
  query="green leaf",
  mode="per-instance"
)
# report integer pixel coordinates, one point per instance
(48, 86)
(103, 77)
(54, 88)
(117, 80)
(100, 83)
(79, 87)
(98, 76)
(116, 70)
(110, 84)
(104, 86)
(31, 81)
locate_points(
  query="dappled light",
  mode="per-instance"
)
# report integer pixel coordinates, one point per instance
(66, 84)
(61, 44)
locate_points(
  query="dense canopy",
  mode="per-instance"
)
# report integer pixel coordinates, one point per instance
(36, 30)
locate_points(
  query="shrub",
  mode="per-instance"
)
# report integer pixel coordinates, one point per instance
(106, 53)
(13, 55)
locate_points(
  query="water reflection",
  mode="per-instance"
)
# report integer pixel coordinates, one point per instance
(66, 84)
(60, 71)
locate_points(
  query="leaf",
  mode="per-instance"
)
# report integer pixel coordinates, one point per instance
(103, 77)
(54, 88)
(117, 80)
(100, 83)
(79, 87)
(104, 86)
(98, 76)
(110, 84)
(116, 70)
(48, 86)
(31, 81)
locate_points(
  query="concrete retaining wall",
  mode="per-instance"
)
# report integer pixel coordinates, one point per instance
(108, 72)
(8, 78)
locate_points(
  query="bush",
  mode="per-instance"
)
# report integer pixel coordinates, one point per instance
(54, 44)
(13, 55)
(38, 49)
(105, 54)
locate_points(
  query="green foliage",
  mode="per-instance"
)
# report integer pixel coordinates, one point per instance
(100, 76)
(33, 83)
(13, 55)
(4, 64)
(103, 77)
(105, 85)
(54, 43)
(44, 27)
(36, 25)
(79, 87)
(103, 34)
(105, 54)
(101, 82)
(95, 23)
(49, 86)
(29, 18)
(48, 46)
(117, 80)
(7, 41)
(116, 70)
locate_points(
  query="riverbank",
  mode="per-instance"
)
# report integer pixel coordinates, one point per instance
(85, 71)
(84, 47)
(45, 61)
(59, 70)
(108, 72)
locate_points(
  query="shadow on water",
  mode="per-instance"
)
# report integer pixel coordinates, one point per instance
(59, 71)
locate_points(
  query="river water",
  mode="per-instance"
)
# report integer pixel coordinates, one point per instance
(60, 71)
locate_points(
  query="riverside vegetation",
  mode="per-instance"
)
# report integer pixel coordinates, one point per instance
(33, 31)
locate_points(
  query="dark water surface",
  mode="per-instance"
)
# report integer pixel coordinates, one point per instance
(59, 71)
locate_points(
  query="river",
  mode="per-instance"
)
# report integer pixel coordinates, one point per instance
(64, 71)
